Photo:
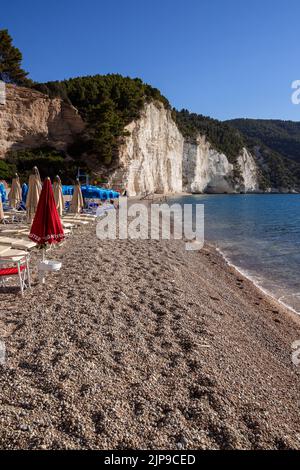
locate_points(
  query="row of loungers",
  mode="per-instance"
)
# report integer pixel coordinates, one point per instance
(15, 248)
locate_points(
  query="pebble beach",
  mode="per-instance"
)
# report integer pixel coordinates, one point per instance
(142, 345)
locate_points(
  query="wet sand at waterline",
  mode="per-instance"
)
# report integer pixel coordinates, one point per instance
(140, 344)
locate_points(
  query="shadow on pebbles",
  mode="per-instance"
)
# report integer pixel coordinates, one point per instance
(141, 345)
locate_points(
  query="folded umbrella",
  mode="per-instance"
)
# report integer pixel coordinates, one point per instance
(33, 195)
(46, 226)
(77, 199)
(15, 194)
(58, 195)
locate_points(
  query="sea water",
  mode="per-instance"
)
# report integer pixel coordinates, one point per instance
(260, 235)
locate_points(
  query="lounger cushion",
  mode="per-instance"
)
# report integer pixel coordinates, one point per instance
(11, 271)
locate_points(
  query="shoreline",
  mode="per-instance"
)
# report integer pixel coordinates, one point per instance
(249, 278)
(176, 346)
(240, 270)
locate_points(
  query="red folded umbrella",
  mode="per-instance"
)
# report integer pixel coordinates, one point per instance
(46, 226)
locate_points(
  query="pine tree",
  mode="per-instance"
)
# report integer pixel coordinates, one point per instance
(10, 61)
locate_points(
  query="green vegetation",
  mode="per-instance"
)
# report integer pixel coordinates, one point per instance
(277, 143)
(107, 103)
(281, 136)
(49, 161)
(6, 170)
(222, 137)
(276, 170)
(10, 61)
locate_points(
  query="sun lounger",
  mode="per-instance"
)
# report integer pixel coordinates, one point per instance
(7, 251)
(11, 231)
(3, 248)
(23, 233)
(89, 220)
(68, 225)
(80, 216)
(15, 263)
(19, 244)
(76, 221)
(15, 215)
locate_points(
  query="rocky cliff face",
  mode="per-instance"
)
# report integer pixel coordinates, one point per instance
(207, 171)
(30, 119)
(155, 158)
(151, 157)
(204, 169)
(249, 172)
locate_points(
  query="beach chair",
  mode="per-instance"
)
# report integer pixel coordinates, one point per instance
(15, 263)
(68, 225)
(12, 231)
(16, 216)
(75, 221)
(5, 219)
(18, 243)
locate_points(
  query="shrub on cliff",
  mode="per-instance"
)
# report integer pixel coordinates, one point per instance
(107, 103)
(223, 138)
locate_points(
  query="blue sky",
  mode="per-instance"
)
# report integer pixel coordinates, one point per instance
(222, 58)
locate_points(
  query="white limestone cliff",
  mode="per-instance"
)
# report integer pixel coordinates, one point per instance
(205, 169)
(248, 168)
(151, 157)
(154, 158)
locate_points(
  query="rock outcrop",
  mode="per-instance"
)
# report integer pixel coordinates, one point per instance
(205, 169)
(30, 119)
(151, 157)
(156, 158)
(249, 172)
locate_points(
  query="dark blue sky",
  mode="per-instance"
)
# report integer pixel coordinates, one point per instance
(223, 58)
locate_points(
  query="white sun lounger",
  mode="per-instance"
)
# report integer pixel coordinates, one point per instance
(80, 217)
(19, 244)
(68, 225)
(76, 221)
(11, 231)
(6, 251)
(15, 263)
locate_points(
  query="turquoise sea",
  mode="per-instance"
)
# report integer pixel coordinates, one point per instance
(260, 235)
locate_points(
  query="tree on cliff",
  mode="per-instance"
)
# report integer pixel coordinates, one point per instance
(10, 61)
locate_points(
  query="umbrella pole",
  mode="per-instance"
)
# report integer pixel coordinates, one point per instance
(41, 271)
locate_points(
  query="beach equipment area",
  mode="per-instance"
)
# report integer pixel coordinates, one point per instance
(38, 215)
